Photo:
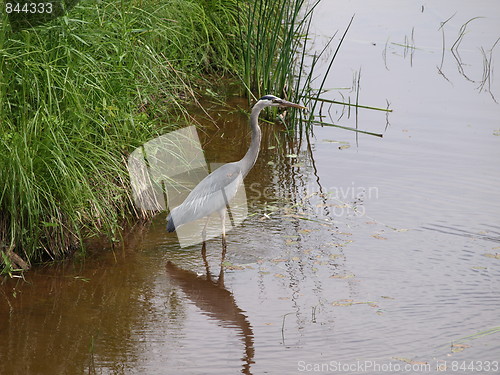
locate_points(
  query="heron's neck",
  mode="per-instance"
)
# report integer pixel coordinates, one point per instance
(250, 157)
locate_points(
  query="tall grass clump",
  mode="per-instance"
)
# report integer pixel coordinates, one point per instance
(276, 58)
(76, 96)
(271, 36)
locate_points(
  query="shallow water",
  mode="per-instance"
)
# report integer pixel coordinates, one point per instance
(382, 253)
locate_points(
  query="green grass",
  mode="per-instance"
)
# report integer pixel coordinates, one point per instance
(77, 95)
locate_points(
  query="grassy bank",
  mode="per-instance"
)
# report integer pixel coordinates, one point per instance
(80, 92)
(76, 96)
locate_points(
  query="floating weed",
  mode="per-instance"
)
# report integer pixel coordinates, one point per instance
(493, 256)
(279, 260)
(294, 236)
(343, 277)
(234, 267)
(350, 302)
(332, 141)
(410, 361)
(457, 348)
(338, 244)
(378, 237)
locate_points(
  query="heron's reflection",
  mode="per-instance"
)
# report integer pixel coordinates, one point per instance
(218, 303)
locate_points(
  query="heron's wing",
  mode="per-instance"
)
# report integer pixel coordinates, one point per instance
(212, 194)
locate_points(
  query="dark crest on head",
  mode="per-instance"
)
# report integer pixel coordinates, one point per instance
(268, 97)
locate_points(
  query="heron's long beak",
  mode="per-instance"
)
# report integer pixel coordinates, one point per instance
(284, 103)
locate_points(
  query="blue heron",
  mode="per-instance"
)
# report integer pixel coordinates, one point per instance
(214, 192)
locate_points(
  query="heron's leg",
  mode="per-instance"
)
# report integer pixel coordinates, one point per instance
(204, 231)
(205, 262)
(222, 215)
(224, 245)
(204, 249)
(220, 280)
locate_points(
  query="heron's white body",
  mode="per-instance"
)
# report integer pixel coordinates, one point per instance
(212, 194)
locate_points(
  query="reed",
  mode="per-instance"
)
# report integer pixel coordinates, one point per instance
(276, 57)
(271, 35)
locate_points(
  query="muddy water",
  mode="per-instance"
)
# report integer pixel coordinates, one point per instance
(356, 253)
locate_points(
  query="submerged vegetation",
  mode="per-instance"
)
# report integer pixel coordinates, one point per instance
(80, 92)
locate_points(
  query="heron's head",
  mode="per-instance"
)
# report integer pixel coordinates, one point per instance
(274, 101)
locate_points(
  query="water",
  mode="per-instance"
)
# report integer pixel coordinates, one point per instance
(379, 254)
